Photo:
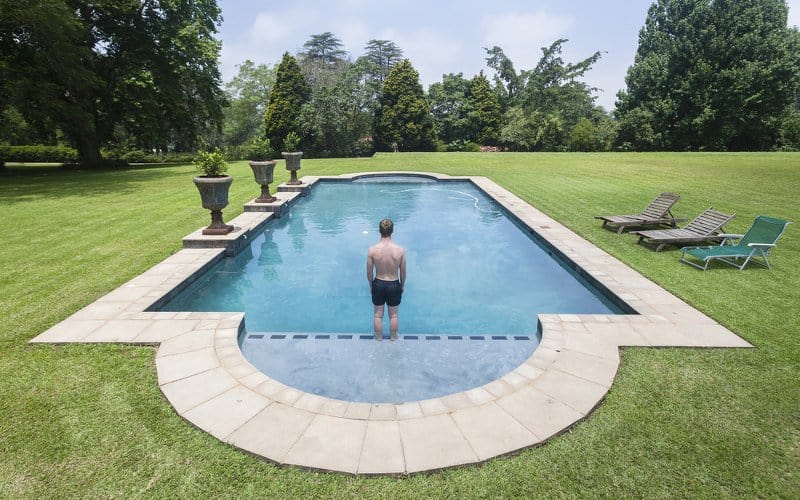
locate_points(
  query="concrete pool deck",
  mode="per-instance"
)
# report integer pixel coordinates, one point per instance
(203, 374)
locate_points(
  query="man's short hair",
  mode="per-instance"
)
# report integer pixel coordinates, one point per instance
(386, 227)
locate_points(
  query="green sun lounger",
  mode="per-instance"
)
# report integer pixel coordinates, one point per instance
(756, 243)
(657, 213)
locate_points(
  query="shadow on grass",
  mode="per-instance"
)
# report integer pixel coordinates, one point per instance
(29, 183)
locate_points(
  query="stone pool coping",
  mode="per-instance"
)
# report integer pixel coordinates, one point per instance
(203, 374)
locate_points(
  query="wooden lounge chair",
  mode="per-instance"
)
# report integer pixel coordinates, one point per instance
(657, 213)
(758, 241)
(704, 229)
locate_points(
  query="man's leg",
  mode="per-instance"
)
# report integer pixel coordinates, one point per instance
(393, 321)
(377, 322)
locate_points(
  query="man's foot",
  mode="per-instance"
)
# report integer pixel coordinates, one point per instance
(378, 336)
(394, 336)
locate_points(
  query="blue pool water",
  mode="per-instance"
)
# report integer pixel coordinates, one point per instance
(472, 272)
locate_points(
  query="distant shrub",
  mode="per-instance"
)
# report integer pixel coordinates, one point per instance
(39, 154)
(182, 157)
(139, 156)
(144, 156)
(365, 146)
(97, 165)
(462, 145)
(235, 153)
(3, 154)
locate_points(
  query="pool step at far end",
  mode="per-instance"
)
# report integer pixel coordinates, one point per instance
(366, 336)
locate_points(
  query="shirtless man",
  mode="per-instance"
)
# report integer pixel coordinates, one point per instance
(387, 258)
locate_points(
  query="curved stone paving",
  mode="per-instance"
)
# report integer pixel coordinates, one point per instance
(205, 377)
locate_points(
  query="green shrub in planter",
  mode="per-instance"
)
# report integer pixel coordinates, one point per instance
(292, 142)
(211, 164)
(260, 150)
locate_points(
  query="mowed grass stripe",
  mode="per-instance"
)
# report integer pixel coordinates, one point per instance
(90, 420)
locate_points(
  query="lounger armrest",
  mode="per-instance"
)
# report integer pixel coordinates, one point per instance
(726, 237)
(761, 245)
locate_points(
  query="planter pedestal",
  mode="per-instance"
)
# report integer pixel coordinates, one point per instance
(217, 226)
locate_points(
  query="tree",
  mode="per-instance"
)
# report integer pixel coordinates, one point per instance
(337, 115)
(90, 68)
(248, 93)
(554, 87)
(381, 56)
(545, 102)
(450, 108)
(323, 60)
(507, 81)
(715, 75)
(587, 136)
(324, 48)
(403, 117)
(286, 99)
(485, 114)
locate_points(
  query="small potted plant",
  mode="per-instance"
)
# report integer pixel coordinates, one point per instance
(292, 156)
(260, 154)
(213, 185)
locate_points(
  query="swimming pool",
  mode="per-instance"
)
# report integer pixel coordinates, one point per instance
(476, 282)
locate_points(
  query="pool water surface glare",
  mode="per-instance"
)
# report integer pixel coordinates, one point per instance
(476, 283)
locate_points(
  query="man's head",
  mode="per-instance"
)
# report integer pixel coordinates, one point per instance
(386, 228)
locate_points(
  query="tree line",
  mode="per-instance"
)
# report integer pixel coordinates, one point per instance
(116, 77)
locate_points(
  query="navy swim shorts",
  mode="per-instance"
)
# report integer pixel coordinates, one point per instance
(386, 292)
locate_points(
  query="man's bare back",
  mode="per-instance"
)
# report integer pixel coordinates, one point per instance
(387, 257)
(387, 260)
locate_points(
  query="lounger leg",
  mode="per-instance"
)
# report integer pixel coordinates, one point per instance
(766, 261)
(698, 266)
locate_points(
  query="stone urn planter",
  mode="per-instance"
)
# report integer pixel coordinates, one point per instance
(213, 187)
(264, 171)
(292, 156)
(293, 165)
(214, 196)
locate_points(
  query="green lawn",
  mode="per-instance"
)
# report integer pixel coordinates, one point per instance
(90, 420)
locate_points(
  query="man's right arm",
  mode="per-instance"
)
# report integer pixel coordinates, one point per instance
(370, 266)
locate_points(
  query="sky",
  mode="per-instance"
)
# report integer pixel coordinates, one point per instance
(444, 36)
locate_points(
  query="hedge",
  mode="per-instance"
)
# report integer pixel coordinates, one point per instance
(37, 154)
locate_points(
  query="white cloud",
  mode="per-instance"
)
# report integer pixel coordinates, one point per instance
(522, 35)
(429, 51)
(262, 42)
(794, 12)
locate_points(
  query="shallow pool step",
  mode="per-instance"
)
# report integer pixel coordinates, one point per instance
(362, 336)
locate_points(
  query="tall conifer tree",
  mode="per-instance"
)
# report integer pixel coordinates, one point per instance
(403, 118)
(485, 112)
(286, 99)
